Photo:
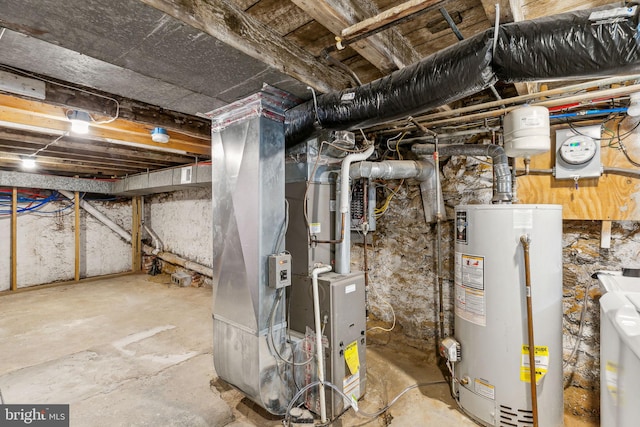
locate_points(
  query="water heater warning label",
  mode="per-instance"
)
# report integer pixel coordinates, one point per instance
(470, 292)
(541, 354)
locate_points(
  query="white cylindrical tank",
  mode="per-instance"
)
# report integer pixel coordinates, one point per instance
(491, 314)
(527, 131)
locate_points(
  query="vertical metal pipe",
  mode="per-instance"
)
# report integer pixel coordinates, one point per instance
(14, 239)
(76, 207)
(526, 240)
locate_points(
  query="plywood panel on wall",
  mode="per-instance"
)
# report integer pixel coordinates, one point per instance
(610, 197)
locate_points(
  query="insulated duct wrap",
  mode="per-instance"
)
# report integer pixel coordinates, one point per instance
(572, 45)
(451, 74)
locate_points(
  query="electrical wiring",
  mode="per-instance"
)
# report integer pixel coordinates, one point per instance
(393, 313)
(25, 73)
(378, 212)
(272, 344)
(583, 313)
(305, 208)
(34, 203)
(354, 404)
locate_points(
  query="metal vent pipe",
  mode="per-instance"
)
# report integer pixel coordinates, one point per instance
(502, 192)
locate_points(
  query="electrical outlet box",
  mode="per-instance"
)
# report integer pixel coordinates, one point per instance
(279, 271)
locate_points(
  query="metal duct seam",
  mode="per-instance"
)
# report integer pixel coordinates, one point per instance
(502, 186)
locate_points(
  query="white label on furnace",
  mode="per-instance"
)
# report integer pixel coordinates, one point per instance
(522, 219)
(315, 228)
(483, 388)
(350, 288)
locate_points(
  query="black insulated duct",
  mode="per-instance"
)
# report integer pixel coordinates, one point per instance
(582, 44)
(458, 71)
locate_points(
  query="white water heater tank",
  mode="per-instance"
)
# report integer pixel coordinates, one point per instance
(527, 131)
(491, 314)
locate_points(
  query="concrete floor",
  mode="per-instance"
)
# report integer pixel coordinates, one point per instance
(136, 351)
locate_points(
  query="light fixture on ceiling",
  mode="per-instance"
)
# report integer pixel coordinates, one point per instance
(28, 162)
(634, 105)
(160, 135)
(79, 121)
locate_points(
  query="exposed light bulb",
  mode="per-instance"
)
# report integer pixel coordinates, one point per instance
(28, 162)
(79, 121)
(634, 105)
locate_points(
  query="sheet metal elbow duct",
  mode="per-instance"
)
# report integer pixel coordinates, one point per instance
(423, 171)
(502, 192)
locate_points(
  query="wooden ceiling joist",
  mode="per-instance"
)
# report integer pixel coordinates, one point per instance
(387, 52)
(389, 16)
(17, 113)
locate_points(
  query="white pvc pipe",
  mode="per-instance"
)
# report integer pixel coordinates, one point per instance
(319, 352)
(99, 216)
(343, 250)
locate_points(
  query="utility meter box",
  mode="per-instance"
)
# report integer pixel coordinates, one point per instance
(578, 153)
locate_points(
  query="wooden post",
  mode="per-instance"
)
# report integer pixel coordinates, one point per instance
(77, 228)
(136, 235)
(14, 239)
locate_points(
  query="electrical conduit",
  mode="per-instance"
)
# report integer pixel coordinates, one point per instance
(343, 249)
(319, 348)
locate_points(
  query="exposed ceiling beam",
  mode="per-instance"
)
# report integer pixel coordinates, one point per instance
(108, 105)
(228, 23)
(387, 17)
(17, 113)
(510, 10)
(33, 142)
(387, 51)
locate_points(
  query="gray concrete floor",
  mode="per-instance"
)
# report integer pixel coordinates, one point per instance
(136, 351)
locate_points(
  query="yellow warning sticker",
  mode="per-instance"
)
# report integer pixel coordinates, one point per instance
(541, 354)
(351, 357)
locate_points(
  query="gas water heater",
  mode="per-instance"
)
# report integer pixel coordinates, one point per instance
(492, 364)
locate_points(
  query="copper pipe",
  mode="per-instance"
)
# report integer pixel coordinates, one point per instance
(335, 241)
(526, 240)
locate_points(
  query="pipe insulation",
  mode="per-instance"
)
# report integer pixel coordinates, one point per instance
(570, 45)
(89, 208)
(502, 192)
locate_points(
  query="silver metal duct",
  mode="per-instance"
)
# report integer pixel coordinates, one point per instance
(502, 174)
(422, 170)
(248, 219)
